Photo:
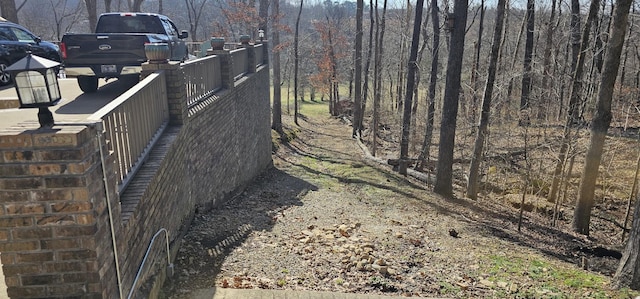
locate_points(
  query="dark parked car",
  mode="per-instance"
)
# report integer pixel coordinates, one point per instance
(15, 42)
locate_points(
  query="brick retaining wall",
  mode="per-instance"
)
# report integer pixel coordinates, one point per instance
(55, 234)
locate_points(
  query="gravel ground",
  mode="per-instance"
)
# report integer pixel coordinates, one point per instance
(325, 218)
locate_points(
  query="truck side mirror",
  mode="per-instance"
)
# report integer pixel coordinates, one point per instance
(183, 34)
(38, 40)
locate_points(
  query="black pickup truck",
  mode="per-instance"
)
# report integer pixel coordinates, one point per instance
(116, 49)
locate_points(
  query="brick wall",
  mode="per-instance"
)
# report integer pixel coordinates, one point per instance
(55, 234)
(52, 196)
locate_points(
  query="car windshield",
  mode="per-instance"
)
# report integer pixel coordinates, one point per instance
(129, 24)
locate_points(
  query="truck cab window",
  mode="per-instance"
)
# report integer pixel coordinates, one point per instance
(169, 27)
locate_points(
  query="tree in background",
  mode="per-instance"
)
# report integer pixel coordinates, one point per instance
(425, 151)
(135, 5)
(194, 12)
(526, 73)
(92, 14)
(412, 66)
(444, 174)
(276, 122)
(9, 10)
(296, 63)
(357, 105)
(476, 158)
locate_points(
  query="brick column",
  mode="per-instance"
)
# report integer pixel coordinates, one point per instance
(251, 58)
(176, 90)
(265, 51)
(226, 67)
(54, 229)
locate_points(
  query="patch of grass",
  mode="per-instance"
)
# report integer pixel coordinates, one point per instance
(313, 109)
(549, 280)
(281, 282)
(448, 288)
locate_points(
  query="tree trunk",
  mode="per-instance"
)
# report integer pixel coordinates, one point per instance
(600, 123)
(276, 122)
(378, 72)
(575, 98)
(9, 11)
(543, 110)
(295, 68)
(365, 86)
(107, 5)
(357, 111)
(263, 13)
(431, 100)
(91, 14)
(476, 64)
(472, 185)
(444, 175)
(526, 73)
(334, 70)
(412, 65)
(136, 5)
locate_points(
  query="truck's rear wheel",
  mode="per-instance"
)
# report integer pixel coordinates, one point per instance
(88, 84)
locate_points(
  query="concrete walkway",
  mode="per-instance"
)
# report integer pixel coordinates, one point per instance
(220, 293)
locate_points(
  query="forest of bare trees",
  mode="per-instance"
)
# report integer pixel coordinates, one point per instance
(537, 100)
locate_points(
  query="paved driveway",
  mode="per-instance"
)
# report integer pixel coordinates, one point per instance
(75, 106)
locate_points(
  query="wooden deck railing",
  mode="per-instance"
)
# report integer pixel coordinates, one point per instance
(132, 124)
(135, 120)
(202, 80)
(240, 62)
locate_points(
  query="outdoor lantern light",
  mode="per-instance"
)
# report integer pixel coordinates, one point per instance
(36, 83)
(261, 34)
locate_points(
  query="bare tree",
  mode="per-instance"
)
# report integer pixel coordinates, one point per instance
(107, 5)
(431, 97)
(601, 120)
(526, 73)
(62, 16)
(92, 14)
(444, 174)
(277, 83)
(365, 85)
(380, 27)
(472, 184)
(135, 5)
(546, 64)
(357, 113)
(476, 63)
(276, 123)
(574, 99)
(194, 12)
(412, 65)
(628, 272)
(9, 11)
(295, 68)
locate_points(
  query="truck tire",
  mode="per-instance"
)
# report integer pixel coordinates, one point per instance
(88, 84)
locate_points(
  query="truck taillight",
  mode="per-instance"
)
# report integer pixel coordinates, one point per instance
(63, 50)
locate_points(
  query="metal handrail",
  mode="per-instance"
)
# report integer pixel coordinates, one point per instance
(144, 260)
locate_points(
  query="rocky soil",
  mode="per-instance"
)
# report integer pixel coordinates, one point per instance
(327, 218)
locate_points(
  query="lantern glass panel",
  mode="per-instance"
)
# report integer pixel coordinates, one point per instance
(32, 88)
(52, 81)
